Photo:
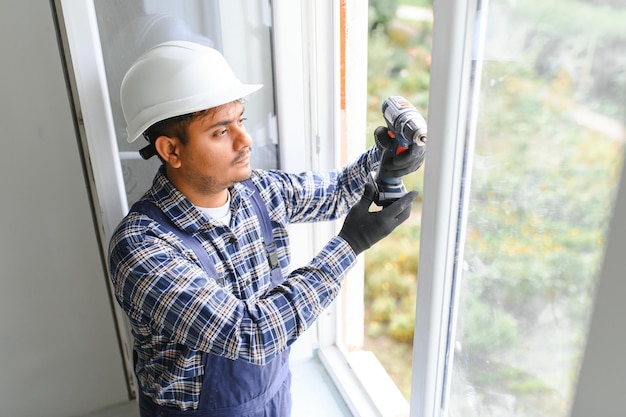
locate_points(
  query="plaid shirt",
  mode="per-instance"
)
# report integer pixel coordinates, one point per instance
(177, 311)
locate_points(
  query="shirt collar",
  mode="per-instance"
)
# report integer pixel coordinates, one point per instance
(179, 208)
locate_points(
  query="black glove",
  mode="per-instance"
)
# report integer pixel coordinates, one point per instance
(395, 166)
(363, 228)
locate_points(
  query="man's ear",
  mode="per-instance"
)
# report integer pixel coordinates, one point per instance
(168, 148)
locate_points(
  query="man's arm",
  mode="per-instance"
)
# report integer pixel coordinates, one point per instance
(166, 294)
(316, 196)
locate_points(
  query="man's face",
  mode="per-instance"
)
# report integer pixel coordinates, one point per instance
(217, 152)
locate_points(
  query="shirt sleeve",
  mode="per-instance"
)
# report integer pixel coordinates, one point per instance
(313, 196)
(167, 295)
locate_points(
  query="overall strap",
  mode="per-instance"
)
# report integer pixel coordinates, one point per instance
(266, 226)
(153, 211)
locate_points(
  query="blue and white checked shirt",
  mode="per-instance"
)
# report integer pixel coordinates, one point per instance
(177, 311)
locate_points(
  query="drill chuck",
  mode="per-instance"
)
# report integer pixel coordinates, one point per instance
(404, 122)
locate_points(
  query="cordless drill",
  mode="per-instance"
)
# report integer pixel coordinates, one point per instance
(405, 126)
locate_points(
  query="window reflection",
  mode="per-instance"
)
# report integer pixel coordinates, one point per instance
(544, 172)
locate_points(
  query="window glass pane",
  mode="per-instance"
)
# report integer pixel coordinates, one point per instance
(548, 148)
(129, 27)
(400, 38)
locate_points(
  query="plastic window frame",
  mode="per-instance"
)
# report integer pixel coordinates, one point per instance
(453, 42)
(456, 42)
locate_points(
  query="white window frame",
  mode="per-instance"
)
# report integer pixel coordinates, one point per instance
(456, 41)
(305, 104)
(97, 131)
(455, 38)
(359, 377)
(308, 85)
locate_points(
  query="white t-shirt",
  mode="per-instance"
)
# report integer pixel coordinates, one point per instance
(221, 213)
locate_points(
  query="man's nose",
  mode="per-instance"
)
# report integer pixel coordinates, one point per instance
(242, 138)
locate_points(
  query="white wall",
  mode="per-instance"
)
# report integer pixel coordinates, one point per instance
(59, 348)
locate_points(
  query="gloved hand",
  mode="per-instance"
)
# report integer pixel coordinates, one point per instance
(362, 228)
(395, 166)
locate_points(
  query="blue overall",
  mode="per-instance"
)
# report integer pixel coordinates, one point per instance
(231, 388)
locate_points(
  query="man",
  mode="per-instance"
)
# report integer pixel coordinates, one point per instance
(211, 301)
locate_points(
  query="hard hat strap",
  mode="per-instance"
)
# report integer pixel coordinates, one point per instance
(149, 150)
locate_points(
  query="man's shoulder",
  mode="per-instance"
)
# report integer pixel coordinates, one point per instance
(133, 226)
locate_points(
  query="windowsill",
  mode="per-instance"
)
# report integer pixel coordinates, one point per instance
(361, 383)
(313, 392)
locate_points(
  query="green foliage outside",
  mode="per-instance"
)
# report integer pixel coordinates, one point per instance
(541, 191)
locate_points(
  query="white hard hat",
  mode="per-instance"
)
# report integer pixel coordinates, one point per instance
(176, 78)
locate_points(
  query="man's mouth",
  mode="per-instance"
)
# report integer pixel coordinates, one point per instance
(243, 158)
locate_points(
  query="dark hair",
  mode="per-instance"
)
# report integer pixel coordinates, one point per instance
(173, 127)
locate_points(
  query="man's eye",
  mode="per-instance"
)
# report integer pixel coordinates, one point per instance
(243, 119)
